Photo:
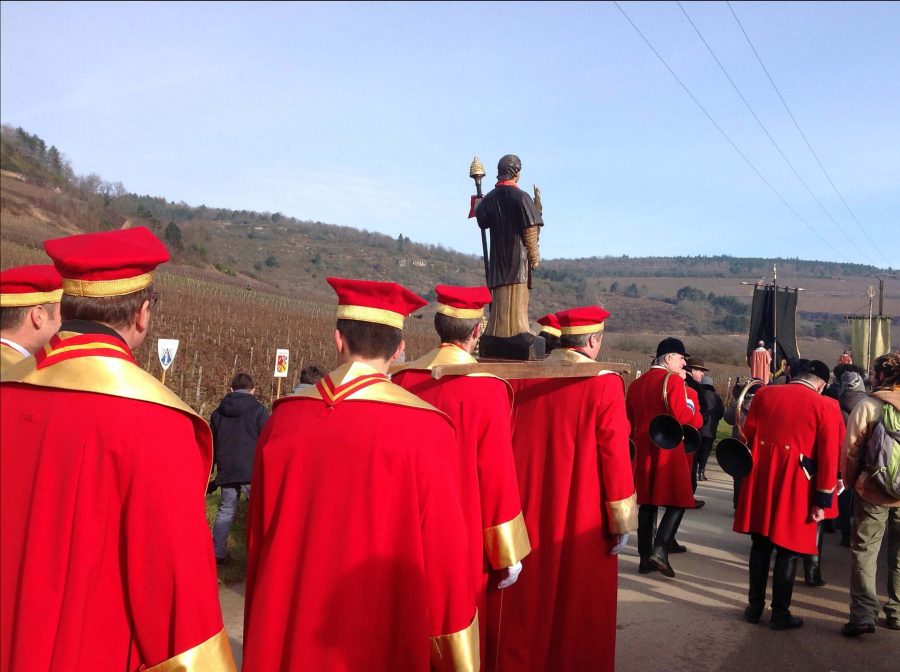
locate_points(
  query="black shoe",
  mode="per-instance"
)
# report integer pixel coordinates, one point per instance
(753, 613)
(699, 503)
(852, 629)
(702, 477)
(663, 566)
(892, 624)
(785, 622)
(814, 579)
(675, 547)
(646, 567)
(221, 562)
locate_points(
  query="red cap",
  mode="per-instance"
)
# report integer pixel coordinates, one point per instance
(29, 286)
(582, 320)
(466, 303)
(370, 301)
(110, 263)
(550, 324)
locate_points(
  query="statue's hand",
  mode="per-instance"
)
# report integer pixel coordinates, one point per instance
(537, 198)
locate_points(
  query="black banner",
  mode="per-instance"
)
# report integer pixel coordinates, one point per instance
(770, 315)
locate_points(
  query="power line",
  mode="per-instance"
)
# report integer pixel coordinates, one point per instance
(725, 135)
(802, 134)
(769, 135)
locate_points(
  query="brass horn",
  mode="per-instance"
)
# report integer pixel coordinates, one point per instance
(666, 432)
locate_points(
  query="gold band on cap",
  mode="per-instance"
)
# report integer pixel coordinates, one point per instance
(553, 331)
(107, 287)
(30, 299)
(584, 329)
(367, 314)
(460, 313)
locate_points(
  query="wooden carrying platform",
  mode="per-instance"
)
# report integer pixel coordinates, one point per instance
(519, 370)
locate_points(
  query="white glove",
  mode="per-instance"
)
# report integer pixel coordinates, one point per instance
(620, 544)
(510, 575)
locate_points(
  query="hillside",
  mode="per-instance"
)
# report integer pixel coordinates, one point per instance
(272, 253)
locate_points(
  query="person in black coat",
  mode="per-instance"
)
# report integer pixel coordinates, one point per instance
(236, 425)
(711, 407)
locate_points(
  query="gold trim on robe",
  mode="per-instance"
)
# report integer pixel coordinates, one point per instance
(106, 375)
(457, 652)
(449, 354)
(213, 655)
(9, 357)
(623, 515)
(384, 392)
(507, 543)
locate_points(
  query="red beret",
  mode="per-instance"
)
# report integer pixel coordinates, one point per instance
(582, 320)
(370, 301)
(466, 303)
(29, 286)
(109, 263)
(550, 324)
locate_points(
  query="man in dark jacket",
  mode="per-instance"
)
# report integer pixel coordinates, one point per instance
(711, 407)
(236, 425)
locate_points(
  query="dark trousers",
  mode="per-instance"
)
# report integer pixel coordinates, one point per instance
(706, 446)
(653, 540)
(812, 567)
(782, 575)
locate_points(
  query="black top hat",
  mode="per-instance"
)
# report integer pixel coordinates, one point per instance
(819, 369)
(670, 344)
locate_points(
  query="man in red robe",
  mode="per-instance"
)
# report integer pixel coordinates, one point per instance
(570, 442)
(662, 477)
(761, 363)
(358, 555)
(479, 406)
(550, 330)
(106, 561)
(29, 310)
(794, 435)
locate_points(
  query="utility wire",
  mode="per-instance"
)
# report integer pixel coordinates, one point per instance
(802, 134)
(725, 135)
(769, 135)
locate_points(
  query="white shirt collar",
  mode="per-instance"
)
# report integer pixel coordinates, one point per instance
(15, 346)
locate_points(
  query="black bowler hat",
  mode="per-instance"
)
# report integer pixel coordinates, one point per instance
(668, 345)
(819, 369)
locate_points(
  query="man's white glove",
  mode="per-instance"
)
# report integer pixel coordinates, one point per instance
(510, 575)
(620, 544)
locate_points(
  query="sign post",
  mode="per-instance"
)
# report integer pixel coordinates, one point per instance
(166, 348)
(282, 358)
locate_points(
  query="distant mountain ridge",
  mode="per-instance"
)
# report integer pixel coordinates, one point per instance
(272, 252)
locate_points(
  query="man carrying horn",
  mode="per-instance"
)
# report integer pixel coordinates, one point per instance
(662, 477)
(791, 486)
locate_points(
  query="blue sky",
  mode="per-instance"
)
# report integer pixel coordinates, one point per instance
(368, 115)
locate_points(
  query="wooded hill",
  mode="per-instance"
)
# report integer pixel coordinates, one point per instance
(275, 253)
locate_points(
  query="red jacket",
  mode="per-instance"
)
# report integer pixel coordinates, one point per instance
(570, 441)
(662, 477)
(785, 423)
(358, 557)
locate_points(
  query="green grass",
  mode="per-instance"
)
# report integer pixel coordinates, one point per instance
(236, 570)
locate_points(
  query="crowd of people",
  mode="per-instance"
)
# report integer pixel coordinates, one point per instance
(398, 519)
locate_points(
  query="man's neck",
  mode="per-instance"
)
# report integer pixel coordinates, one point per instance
(380, 365)
(10, 340)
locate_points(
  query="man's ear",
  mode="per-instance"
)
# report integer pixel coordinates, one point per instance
(476, 330)
(37, 316)
(142, 317)
(400, 350)
(339, 343)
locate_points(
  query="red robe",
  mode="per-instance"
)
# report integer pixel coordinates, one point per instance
(570, 442)
(479, 406)
(358, 557)
(662, 477)
(785, 423)
(106, 549)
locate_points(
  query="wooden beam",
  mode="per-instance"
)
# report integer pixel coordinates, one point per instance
(520, 370)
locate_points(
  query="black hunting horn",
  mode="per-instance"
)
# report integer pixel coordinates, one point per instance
(733, 455)
(666, 432)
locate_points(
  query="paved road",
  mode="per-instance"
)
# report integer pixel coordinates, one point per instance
(694, 622)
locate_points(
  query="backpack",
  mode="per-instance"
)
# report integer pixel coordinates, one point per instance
(883, 452)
